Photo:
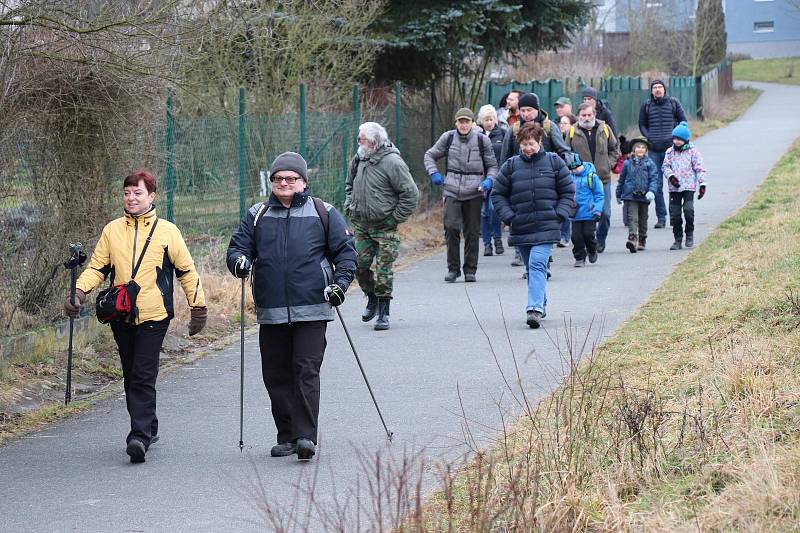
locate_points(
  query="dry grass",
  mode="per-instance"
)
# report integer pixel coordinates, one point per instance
(687, 420)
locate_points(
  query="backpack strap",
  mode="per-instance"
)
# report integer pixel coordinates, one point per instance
(571, 132)
(605, 130)
(547, 126)
(324, 217)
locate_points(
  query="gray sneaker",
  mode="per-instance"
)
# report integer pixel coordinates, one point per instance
(579, 263)
(534, 319)
(305, 450)
(283, 449)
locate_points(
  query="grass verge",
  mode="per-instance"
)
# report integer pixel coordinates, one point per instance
(688, 419)
(780, 70)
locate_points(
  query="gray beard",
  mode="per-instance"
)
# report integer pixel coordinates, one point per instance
(364, 151)
(588, 124)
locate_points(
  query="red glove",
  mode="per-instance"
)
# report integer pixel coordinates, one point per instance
(674, 182)
(702, 191)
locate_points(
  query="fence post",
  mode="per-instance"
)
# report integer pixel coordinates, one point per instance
(303, 140)
(170, 146)
(433, 112)
(398, 111)
(698, 91)
(242, 155)
(356, 114)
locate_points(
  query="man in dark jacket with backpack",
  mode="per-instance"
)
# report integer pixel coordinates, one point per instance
(302, 258)
(470, 167)
(658, 116)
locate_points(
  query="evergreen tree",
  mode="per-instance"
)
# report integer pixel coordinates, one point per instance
(710, 35)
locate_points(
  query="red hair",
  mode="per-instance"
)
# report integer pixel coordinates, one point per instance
(141, 175)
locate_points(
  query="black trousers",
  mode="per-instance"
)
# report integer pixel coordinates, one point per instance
(139, 348)
(291, 356)
(462, 216)
(583, 238)
(681, 201)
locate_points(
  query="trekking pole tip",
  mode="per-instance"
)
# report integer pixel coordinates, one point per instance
(389, 435)
(241, 446)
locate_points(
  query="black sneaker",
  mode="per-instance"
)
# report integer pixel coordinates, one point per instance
(487, 250)
(154, 439)
(593, 257)
(469, 278)
(601, 247)
(676, 245)
(452, 276)
(690, 241)
(579, 263)
(283, 449)
(660, 224)
(305, 450)
(498, 247)
(136, 450)
(534, 319)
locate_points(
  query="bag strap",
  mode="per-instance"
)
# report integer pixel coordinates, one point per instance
(144, 249)
(324, 217)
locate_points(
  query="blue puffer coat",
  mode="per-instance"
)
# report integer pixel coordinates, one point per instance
(534, 195)
(637, 177)
(589, 199)
(290, 256)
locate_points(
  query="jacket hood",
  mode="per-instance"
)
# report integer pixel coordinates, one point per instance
(587, 168)
(380, 153)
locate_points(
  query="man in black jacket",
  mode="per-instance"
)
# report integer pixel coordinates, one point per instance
(302, 266)
(658, 116)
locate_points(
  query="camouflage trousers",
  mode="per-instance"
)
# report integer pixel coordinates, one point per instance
(381, 244)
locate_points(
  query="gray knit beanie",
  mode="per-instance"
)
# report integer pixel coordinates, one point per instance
(290, 161)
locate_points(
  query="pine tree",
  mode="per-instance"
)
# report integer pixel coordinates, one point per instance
(710, 37)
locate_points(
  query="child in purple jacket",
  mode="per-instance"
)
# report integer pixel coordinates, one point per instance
(683, 168)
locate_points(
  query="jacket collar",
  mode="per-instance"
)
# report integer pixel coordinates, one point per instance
(298, 200)
(538, 155)
(147, 217)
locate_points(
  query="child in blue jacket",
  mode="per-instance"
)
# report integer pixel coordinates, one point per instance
(637, 187)
(589, 197)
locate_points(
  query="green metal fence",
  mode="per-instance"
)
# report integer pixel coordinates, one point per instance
(624, 94)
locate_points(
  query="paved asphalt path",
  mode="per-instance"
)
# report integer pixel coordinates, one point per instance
(75, 476)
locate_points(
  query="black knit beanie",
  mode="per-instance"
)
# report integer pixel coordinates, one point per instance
(290, 161)
(528, 100)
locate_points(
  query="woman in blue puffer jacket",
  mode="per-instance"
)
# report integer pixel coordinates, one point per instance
(637, 187)
(534, 194)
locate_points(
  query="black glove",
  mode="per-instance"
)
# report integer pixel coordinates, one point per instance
(198, 320)
(73, 308)
(242, 267)
(596, 216)
(702, 191)
(334, 295)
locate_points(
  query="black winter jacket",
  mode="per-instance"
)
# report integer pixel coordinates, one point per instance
(497, 135)
(289, 255)
(551, 142)
(604, 114)
(657, 118)
(534, 195)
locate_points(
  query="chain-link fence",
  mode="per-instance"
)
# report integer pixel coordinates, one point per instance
(211, 169)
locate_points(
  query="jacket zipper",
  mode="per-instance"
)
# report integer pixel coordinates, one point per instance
(286, 269)
(133, 254)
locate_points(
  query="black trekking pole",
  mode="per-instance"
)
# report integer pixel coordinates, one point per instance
(360, 367)
(76, 258)
(241, 375)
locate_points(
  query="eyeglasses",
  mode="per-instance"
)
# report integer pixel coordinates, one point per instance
(288, 179)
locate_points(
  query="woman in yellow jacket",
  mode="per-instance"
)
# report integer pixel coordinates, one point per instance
(139, 339)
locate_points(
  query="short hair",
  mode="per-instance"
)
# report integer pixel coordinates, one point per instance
(572, 118)
(141, 175)
(503, 101)
(375, 133)
(485, 112)
(586, 105)
(530, 130)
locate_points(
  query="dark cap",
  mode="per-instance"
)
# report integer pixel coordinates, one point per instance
(529, 100)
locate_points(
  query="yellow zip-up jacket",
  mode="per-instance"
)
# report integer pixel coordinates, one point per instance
(167, 257)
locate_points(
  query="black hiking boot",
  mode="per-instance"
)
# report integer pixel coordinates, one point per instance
(660, 224)
(305, 450)
(534, 318)
(633, 242)
(579, 263)
(372, 307)
(676, 245)
(136, 450)
(383, 314)
(642, 244)
(487, 250)
(470, 278)
(689, 240)
(498, 247)
(593, 257)
(283, 449)
(452, 276)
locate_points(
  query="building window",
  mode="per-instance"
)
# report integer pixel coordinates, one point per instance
(766, 26)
